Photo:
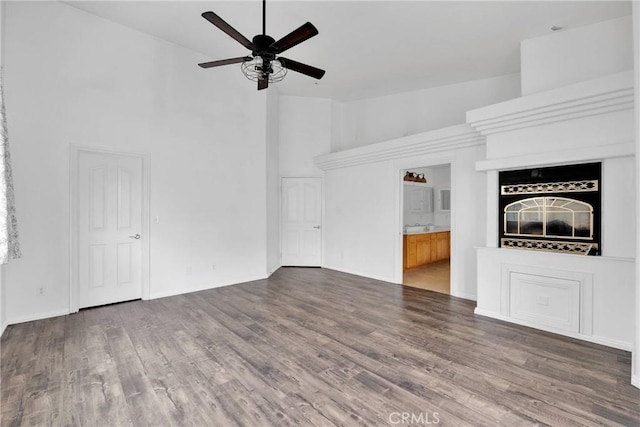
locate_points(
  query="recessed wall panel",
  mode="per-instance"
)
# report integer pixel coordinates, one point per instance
(311, 199)
(97, 198)
(291, 242)
(310, 242)
(548, 301)
(291, 205)
(97, 267)
(124, 263)
(124, 198)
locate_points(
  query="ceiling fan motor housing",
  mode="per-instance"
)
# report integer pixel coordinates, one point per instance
(263, 47)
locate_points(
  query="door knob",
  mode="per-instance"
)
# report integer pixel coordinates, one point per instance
(317, 227)
(137, 236)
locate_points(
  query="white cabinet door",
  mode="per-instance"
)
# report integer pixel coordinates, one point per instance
(301, 216)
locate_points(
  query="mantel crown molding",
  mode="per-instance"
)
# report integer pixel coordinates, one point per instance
(599, 96)
(449, 138)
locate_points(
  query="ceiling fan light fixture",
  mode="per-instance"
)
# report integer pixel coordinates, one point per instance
(254, 70)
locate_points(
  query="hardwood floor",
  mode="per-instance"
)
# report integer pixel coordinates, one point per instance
(306, 347)
(432, 277)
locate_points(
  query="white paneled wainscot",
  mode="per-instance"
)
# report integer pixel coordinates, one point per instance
(585, 297)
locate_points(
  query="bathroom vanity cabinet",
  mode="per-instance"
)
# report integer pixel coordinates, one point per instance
(425, 248)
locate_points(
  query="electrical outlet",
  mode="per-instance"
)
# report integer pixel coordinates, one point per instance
(213, 266)
(41, 290)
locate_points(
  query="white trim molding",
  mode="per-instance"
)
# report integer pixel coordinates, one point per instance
(37, 316)
(361, 274)
(599, 96)
(635, 357)
(207, 286)
(559, 157)
(621, 345)
(449, 138)
(583, 299)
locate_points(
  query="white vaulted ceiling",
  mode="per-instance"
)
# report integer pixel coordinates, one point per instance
(368, 48)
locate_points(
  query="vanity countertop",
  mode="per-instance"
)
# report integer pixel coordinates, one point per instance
(435, 230)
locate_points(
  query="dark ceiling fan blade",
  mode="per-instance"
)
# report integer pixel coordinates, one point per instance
(263, 84)
(308, 70)
(225, 62)
(295, 37)
(232, 32)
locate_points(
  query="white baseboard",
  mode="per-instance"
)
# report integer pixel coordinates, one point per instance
(206, 286)
(621, 345)
(464, 295)
(361, 274)
(273, 269)
(3, 326)
(37, 316)
(172, 292)
(635, 381)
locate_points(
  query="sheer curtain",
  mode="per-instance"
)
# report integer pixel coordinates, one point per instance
(9, 245)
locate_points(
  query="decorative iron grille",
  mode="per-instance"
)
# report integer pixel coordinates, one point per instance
(551, 209)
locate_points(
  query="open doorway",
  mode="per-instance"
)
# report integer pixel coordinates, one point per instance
(426, 219)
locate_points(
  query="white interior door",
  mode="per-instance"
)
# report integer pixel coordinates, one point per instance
(301, 222)
(109, 228)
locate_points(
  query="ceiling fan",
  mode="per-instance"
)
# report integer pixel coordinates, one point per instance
(266, 65)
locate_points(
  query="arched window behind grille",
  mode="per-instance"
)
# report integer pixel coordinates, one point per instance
(549, 217)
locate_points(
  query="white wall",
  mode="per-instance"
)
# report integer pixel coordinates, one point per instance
(635, 360)
(3, 311)
(304, 132)
(576, 55)
(468, 198)
(373, 120)
(441, 179)
(362, 201)
(273, 181)
(364, 224)
(73, 78)
(360, 228)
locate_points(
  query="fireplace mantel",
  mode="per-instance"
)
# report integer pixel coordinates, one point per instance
(575, 295)
(580, 123)
(586, 155)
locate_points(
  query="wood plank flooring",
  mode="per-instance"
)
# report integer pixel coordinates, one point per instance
(306, 347)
